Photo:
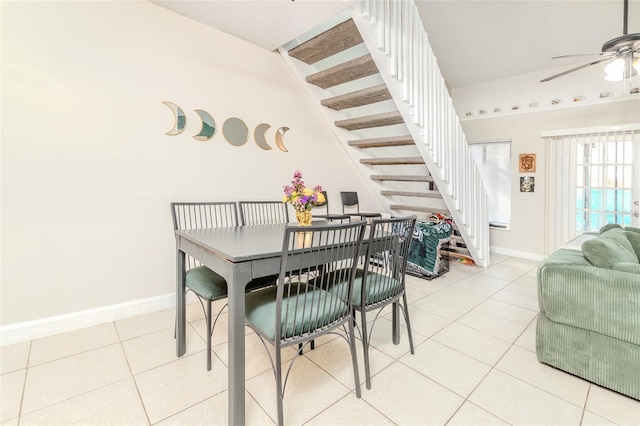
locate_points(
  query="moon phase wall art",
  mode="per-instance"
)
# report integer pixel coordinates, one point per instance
(234, 130)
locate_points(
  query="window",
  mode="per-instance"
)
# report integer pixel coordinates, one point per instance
(494, 164)
(592, 179)
(603, 181)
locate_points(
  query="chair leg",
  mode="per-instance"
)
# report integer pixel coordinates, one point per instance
(209, 332)
(365, 347)
(406, 319)
(279, 391)
(354, 359)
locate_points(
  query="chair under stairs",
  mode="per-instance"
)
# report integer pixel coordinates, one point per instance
(349, 74)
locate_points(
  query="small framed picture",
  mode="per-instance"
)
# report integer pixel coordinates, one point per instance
(527, 163)
(527, 184)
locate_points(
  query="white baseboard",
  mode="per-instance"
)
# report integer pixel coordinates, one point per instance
(44, 327)
(517, 253)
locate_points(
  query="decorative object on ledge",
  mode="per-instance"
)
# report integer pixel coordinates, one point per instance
(527, 163)
(208, 126)
(527, 184)
(301, 198)
(180, 122)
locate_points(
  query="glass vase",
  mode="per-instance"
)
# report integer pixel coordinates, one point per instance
(304, 218)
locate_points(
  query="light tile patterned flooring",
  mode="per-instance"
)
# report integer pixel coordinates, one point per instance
(475, 364)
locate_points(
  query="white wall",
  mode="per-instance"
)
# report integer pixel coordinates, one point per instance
(87, 171)
(526, 236)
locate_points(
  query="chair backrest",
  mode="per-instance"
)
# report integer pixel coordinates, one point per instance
(324, 204)
(199, 215)
(307, 310)
(263, 212)
(386, 260)
(349, 199)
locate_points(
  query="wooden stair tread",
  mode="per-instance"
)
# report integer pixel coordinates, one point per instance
(382, 142)
(328, 43)
(342, 73)
(369, 121)
(422, 209)
(392, 161)
(367, 96)
(403, 178)
(429, 194)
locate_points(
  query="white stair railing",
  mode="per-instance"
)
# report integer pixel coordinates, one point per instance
(398, 43)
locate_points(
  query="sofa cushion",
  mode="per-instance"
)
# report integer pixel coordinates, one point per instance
(609, 248)
(633, 268)
(609, 226)
(634, 239)
(632, 229)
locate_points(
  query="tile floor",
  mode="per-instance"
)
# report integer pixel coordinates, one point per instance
(474, 364)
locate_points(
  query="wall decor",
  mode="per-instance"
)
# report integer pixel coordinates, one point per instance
(259, 136)
(234, 130)
(208, 126)
(279, 136)
(527, 163)
(527, 184)
(180, 120)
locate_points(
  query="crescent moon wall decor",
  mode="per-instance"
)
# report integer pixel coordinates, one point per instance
(235, 131)
(279, 136)
(208, 126)
(180, 122)
(259, 136)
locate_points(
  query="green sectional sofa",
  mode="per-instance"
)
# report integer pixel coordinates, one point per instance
(589, 321)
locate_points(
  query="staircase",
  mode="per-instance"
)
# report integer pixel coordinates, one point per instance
(378, 84)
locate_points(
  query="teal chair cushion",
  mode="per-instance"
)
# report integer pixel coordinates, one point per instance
(379, 287)
(260, 311)
(609, 248)
(206, 283)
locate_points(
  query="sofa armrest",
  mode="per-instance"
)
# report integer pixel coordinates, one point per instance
(601, 300)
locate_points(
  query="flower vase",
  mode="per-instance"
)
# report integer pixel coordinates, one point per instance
(304, 218)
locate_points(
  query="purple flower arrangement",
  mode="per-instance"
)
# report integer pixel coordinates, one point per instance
(301, 197)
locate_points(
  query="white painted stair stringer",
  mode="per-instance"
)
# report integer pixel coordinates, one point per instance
(395, 38)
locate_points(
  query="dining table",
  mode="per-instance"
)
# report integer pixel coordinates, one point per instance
(239, 254)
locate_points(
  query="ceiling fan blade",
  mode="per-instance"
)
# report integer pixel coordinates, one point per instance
(574, 69)
(585, 54)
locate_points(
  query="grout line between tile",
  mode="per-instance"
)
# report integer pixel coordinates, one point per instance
(135, 382)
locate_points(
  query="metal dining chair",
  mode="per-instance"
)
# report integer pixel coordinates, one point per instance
(202, 281)
(298, 310)
(263, 212)
(383, 277)
(381, 280)
(350, 201)
(336, 217)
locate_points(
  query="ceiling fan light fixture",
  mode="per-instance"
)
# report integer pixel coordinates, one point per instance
(615, 70)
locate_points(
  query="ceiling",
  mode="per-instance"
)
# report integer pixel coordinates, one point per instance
(474, 40)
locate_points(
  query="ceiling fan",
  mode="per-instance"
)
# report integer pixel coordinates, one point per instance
(623, 52)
